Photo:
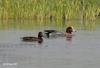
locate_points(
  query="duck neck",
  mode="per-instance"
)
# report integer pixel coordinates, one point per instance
(40, 35)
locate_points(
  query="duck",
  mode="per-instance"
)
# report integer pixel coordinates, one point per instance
(39, 39)
(69, 31)
(54, 33)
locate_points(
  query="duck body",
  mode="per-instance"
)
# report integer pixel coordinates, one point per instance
(38, 39)
(53, 34)
(50, 31)
(31, 39)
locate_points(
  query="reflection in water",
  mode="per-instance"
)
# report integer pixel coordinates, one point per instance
(89, 25)
(69, 41)
(22, 45)
(46, 24)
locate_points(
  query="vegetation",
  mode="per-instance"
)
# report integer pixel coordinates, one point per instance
(91, 9)
(49, 9)
(46, 24)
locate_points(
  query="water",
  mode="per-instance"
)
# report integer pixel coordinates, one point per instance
(80, 52)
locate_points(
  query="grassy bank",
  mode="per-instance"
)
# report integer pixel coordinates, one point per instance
(49, 9)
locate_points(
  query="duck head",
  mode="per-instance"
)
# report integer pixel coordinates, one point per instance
(69, 29)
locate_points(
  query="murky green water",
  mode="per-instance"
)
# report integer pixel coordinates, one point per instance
(81, 52)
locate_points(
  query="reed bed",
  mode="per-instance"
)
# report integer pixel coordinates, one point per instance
(49, 9)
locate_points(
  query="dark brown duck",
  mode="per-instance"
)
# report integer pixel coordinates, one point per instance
(39, 39)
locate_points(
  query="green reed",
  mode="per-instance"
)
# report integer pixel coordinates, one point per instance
(39, 9)
(49, 9)
(91, 9)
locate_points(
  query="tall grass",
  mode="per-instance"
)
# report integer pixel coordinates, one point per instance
(91, 9)
(49, 9)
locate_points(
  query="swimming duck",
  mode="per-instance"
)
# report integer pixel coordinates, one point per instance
(54, 33)
(39, 39)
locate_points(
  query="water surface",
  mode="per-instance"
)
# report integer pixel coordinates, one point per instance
(80, 52)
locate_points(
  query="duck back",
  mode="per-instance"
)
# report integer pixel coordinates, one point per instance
(30, 39)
